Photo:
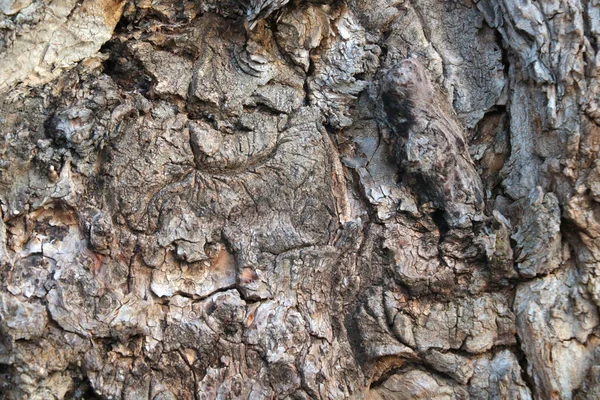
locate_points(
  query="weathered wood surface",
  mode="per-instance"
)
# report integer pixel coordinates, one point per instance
(376, 199)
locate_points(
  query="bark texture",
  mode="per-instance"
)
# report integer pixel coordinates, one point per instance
(383, 199)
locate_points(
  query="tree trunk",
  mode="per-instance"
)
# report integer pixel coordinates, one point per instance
(380, 199)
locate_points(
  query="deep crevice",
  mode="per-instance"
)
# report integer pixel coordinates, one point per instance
(125, 70)
(440, 221)
(522, 360)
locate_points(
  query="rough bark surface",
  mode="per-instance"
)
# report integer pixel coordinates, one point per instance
(383, 199)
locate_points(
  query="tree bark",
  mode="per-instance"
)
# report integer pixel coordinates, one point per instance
(383, 199)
